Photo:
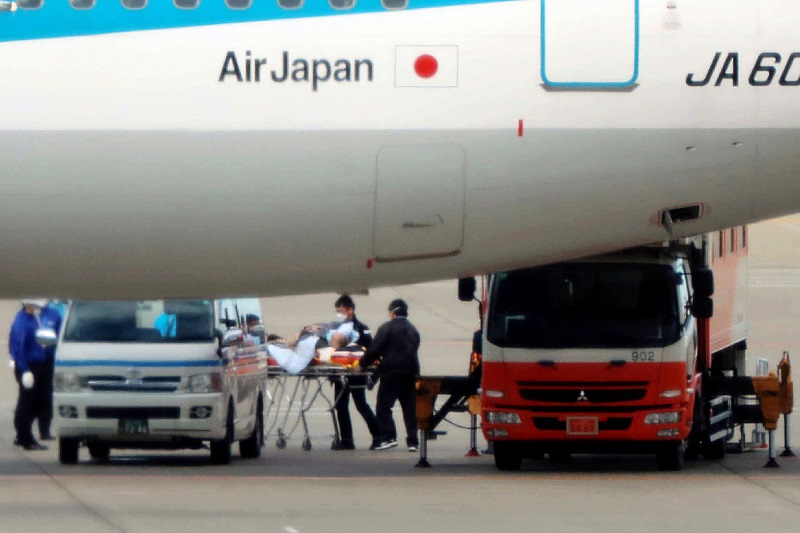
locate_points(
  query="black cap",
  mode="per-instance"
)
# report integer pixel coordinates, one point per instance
(399, 307)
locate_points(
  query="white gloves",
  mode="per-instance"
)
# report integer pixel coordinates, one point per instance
(27, 380)
(11, 364)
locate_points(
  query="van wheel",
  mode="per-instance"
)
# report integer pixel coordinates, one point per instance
(670, 455)
(250, 448)
(68, 450)
(221, 449)
(507, 456)
(99, 451)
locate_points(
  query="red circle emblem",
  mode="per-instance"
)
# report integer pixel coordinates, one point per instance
(426, 66)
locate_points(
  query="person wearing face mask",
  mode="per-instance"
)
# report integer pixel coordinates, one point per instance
(396, 346)
(29, 359)
(355, 386)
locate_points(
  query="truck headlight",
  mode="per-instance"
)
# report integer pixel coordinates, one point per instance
(498, 417)
(663, 418)
(69, 382)
(200, 383)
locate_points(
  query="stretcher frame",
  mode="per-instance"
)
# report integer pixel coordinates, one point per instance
(291, 396)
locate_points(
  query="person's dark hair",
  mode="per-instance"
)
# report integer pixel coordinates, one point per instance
(399, 307)
(252, 318)
(345, 301)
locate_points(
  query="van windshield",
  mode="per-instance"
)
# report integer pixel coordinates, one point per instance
(146, 321)
(592, 305)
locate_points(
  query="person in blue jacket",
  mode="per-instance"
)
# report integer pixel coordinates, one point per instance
(50, 317)
(29, 358)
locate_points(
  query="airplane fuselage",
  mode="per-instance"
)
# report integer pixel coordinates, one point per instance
(172, 152)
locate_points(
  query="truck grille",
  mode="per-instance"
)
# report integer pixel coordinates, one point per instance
(582, 393)
(125, 384)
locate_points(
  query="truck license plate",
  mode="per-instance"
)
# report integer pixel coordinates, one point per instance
(133, 426)
(584, 425)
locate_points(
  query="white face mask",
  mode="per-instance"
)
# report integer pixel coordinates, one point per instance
(341, 317)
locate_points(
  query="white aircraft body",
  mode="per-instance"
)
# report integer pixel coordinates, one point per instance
(154, 150)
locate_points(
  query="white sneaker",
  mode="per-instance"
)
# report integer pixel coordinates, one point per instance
(413, 449)
(386, 445)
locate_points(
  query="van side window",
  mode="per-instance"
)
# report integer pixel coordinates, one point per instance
(134, 4)
(30, 4)
(187, 4)
(290, 4)
(395, 4)
(82, 4)
(238, 4)
(342, 4)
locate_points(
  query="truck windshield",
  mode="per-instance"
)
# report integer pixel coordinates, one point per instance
(577, 305)
(150, 321)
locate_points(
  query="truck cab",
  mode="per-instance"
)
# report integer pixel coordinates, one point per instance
(602, 354)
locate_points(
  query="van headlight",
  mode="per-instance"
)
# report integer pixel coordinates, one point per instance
(200, 383)
(69, 382)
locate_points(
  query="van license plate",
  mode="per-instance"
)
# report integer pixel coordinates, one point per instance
(584, 425)
(133, 426)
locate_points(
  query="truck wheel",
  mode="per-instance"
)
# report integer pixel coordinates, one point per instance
(99, 451)
(670, 455)
(68, 450)
(221, 449)
(250, 448)
(506, 456)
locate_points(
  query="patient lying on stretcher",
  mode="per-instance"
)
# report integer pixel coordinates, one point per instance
(321, 342)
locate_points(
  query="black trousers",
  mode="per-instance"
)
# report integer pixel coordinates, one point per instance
(45, 416)
(28, 405)
(397, 387)
(355, 387)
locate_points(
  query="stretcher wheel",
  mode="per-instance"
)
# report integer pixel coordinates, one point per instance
(280, 442)
(307, 444)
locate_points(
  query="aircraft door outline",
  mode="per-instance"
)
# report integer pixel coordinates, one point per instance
(589, 47)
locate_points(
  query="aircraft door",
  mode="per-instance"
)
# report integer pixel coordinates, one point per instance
(419, 202)
(589, 43)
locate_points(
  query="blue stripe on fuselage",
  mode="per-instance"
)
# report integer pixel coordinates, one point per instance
(56, 18)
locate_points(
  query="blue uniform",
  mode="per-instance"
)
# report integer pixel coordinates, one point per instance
(22, 342)
(28, 356)
(50, 318)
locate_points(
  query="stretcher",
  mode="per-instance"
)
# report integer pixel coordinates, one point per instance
(290, 396)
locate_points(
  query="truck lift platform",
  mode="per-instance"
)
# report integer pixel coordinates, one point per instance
(459, 389)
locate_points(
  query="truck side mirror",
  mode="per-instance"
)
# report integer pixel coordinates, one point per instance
(703, 307)
(703, 282)
(466, 289)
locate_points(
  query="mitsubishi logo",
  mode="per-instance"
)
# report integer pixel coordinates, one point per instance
(582, 397)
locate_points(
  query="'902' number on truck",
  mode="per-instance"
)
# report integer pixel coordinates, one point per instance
(643, 356)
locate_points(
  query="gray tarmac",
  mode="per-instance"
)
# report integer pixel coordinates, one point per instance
(291, 490)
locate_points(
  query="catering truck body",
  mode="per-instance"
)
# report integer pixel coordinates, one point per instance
(609, 353)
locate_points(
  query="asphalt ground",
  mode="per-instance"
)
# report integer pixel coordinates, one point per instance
(291, 490)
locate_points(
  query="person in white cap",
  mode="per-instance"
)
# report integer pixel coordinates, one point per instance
(29, 358)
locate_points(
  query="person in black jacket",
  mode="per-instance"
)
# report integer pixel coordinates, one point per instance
(395, 345)
(354, 386)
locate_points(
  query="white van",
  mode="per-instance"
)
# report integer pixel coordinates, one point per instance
(164, 374)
